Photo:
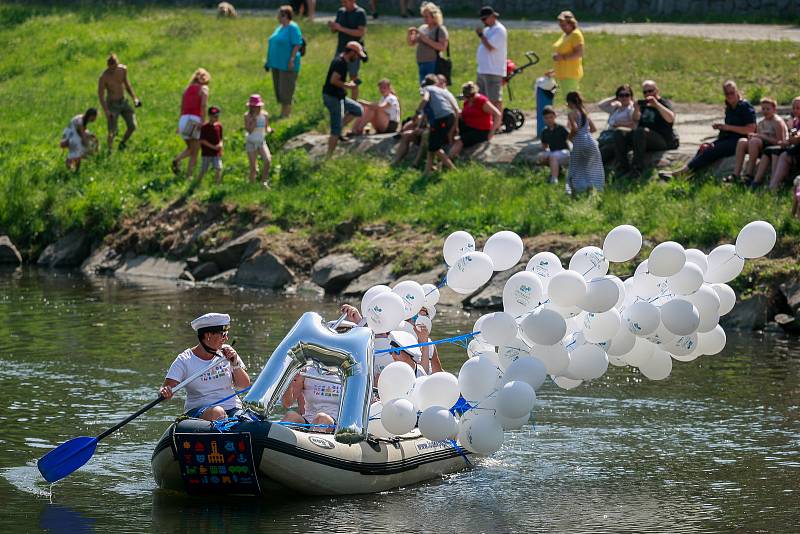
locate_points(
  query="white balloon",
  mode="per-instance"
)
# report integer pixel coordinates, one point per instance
(622, 243)
(727, 297)
(680, 317)
(712, 342)
(658, 367)
(510, 352)
(545, 265)
(513, 424)
(661, 336)
(470, 271)
(588, 362)
(437, 423)
(477, 346)
(686, 358)
(544, 327)
(477, 378)
(617, 361)
(687, 280)
(432, 296)
(756, 239)
(707, 303)
(505, 248)
(602, 294)
(375, 427)
(589, 262)
(414, 396)
(554, 357)
(369, 294)
(666, 259)
(640, 353)
(477, 327)
(499, 328)
(395, 381)
(641, 318)
(682, 346)
(439, 389)
(522, 293)
(646, 285)
(515, 399)
(399, 416)
(599, 327)
(567, 288)
(723, 265)
(384, 312)
(566, 383)
(698, 257)
(622, 290)
(413, 297)
(482, 435)
(622, 343)
(530, 370)
(456, 245)
(564, 311)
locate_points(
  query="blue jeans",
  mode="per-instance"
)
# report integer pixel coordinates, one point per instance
(425, 68)
(338, 108)
(721, 148)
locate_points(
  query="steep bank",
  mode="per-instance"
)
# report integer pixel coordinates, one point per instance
(219, 244)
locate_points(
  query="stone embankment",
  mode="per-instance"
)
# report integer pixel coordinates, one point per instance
(216, 245)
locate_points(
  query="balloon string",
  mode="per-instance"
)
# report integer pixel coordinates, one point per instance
(429, 343)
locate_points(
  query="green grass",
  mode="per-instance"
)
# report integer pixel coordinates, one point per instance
(52, 59)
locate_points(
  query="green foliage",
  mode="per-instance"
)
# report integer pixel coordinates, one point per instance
(53, 56)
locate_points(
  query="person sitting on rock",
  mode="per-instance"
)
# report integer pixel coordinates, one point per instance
(771, 130)
(740, 120)
(620, 115)
(654, 131)
(478, 119)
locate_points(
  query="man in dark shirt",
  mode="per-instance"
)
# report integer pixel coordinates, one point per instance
(334, 93)
(654, 130)
(740, 120)
(350, 25)
(554, 142)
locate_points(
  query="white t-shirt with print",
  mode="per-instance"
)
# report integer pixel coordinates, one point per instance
(211, 386)
(493, 62)
(320, 396)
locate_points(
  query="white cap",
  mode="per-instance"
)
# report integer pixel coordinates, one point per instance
(405, 326)
(210, 320)
(431, 311)
(401, 338)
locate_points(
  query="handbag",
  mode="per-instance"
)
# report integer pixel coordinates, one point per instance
(444, 65)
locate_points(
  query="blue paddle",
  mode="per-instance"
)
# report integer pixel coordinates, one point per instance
(72, 454)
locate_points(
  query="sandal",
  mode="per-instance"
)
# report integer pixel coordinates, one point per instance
(730, 179)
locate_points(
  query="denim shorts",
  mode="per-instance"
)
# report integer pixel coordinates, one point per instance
(338, 108)
(425, 68)
(197, 412)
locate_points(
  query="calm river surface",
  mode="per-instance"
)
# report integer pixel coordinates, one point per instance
(716, 447)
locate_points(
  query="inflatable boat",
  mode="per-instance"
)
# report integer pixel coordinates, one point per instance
(252, 455)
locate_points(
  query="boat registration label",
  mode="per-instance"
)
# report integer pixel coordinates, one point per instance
(217, 463)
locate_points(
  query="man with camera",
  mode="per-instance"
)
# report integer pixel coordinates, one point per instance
(654, 130)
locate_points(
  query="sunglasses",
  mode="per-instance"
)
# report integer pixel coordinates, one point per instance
(648, 91)
(623, 95)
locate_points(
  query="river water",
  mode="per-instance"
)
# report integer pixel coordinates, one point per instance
(716, 447)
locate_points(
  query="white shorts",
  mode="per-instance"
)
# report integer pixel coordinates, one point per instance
(256, 147)
(74, 144)
(189, 126)
(561, 155)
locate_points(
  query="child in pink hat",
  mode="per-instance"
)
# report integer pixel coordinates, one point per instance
(256, 124)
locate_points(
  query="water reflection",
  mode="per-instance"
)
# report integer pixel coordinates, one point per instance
(716, 447)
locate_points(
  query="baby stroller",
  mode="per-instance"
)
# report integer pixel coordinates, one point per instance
(513, 119)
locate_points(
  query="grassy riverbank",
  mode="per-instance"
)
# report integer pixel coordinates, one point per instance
(53, 58)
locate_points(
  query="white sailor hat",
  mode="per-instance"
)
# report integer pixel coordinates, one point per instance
(212, 322)
(401, 338)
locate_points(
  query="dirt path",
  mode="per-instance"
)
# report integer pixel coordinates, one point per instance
(736, 32)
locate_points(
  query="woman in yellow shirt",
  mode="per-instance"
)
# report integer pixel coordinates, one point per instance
(568, 54)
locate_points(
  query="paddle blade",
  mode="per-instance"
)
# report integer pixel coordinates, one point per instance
(66, 458)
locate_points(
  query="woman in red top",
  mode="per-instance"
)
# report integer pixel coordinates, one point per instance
(477, 119)
(193, 115)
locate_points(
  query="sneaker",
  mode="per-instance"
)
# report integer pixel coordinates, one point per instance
(552, 180)
(568, 189)
(665, 176)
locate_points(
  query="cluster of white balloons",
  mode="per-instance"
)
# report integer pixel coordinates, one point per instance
(568, 323)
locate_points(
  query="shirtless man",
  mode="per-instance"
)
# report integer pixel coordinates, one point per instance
(111, 91)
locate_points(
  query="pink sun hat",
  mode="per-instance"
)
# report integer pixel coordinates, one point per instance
(255, 100)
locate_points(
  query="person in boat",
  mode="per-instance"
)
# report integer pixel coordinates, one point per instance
(203, 395)
(316, 392)
(422, 327)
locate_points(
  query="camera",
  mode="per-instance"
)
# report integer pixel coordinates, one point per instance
(642, 103)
